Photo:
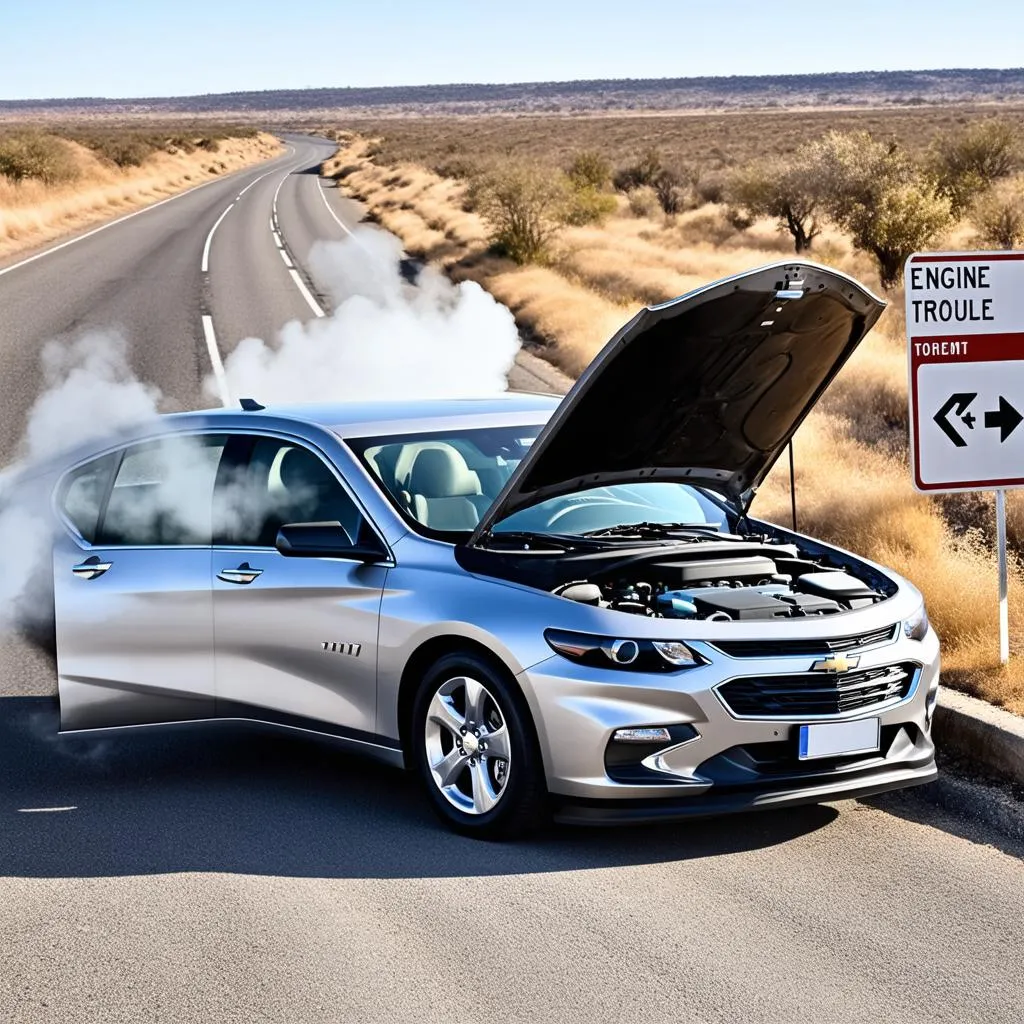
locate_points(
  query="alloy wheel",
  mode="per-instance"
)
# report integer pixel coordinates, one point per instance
(467, 745)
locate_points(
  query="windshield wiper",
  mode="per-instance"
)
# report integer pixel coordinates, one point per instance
(652, 529)
(527, 538)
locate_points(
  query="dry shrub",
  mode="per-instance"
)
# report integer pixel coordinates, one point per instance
(643, 201)
(35, 156)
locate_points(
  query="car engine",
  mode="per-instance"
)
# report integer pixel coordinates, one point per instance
(728, 579)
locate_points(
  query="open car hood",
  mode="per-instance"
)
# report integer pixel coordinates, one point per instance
(706, 389)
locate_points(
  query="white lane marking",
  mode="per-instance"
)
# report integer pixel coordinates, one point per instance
(277, 239)
(46, 810)
(215, 361)
(205, 265)
(109, 224)
(300, 284)
(251, 183)
(323, 196)
(271, 223)
(286, 258)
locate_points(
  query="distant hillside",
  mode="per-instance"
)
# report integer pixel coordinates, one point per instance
(867, 88)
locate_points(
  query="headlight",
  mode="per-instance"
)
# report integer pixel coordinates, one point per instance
(622, 652)
(917, 625)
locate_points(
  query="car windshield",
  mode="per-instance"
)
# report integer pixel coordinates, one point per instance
(445, 481)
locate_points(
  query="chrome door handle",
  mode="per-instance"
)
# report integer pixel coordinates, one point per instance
(91, 568)
(245, 573)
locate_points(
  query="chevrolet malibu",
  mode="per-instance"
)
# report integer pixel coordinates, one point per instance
(539, 606)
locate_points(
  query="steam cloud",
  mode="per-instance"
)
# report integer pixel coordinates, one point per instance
(386, 339)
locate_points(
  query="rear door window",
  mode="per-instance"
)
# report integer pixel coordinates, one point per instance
(163, 493)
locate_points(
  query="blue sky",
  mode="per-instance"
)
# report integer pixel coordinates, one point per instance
(141, 48)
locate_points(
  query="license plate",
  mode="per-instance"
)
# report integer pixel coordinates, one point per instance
(832, 739)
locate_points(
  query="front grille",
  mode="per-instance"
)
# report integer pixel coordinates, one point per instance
(816, 693)
(797, 648)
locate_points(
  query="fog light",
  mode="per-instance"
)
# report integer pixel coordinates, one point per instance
(642, 735)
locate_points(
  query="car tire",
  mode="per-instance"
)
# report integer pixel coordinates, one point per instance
(465, 716)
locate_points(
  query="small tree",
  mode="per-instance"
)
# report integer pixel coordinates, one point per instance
(789, 191)
(998, 215)
(875, 192)
(523, 204)
(968, 162)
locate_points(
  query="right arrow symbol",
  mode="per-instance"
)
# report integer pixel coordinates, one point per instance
(1006, 418)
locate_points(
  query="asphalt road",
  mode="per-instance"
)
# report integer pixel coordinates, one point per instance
(226, 874)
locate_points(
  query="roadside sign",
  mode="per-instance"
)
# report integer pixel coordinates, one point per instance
(965, 345)
(965, 328)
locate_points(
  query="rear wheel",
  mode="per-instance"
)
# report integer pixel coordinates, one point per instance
(475, 750)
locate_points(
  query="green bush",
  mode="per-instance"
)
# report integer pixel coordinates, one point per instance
(523, 205)
(36, 155)
(589, 170)
(588, 205)
(967, 162)
(998, 215)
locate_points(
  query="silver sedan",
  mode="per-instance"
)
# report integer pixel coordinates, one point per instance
(539, 606)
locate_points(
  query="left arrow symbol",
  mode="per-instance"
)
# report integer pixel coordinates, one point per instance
(961, 403)
(1006, 418)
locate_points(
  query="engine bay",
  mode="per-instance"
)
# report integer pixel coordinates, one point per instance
(714, 576)
(757, 580)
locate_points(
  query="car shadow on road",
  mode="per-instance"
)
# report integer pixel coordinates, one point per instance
(238, 799)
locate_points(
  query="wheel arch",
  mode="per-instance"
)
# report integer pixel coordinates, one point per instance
(420, 661)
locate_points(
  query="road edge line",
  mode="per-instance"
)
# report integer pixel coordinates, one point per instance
(323, 195)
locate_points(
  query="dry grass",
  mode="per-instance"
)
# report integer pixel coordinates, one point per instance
(853, 482)
(32, 214)
(709, 141)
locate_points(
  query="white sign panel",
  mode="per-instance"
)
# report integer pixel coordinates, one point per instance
(965, 332)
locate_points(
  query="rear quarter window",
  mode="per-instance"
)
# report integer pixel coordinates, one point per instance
(82, 493)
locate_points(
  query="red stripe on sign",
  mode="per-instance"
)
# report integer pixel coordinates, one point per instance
(993, 257)
(970, 348)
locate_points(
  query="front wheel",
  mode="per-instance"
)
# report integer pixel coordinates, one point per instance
(475, 750)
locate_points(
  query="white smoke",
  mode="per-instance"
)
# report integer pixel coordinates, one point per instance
(385, 339)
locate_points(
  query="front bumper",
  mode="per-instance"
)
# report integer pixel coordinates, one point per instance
(638, 812)
(733, 762)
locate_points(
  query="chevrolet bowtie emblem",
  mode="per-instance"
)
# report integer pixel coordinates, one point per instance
(837, 664)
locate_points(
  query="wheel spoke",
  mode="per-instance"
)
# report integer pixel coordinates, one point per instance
(476, 695)
(443, 712)
(447, 770)
(497, 744)
(484, 796)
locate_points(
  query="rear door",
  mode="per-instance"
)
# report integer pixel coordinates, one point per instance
(134, 610)
(296, 636)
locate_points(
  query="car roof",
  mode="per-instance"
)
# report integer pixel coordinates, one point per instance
(393, 416)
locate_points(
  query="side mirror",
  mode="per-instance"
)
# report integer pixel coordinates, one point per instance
(325, 540)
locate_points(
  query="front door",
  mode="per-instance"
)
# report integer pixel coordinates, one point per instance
(134, 609)
(296, 636)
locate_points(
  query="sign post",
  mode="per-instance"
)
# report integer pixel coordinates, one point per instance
(965, 334)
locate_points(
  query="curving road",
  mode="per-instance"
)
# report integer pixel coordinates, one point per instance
(225, 874)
